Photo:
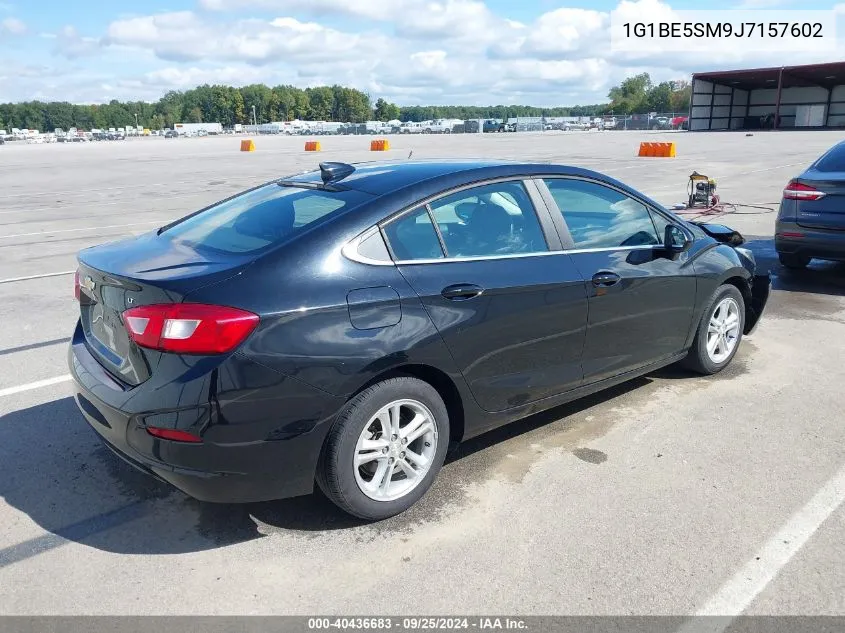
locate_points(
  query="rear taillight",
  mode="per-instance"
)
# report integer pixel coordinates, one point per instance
(189, 328)
(174, 435)
(799, 191)
(77, 291)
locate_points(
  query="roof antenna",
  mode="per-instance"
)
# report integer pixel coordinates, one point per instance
(410, 154)
(332, 172)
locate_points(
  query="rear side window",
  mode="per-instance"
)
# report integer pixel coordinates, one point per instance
(834, 160)
(413, 237)
(261, 218)
(601, 217)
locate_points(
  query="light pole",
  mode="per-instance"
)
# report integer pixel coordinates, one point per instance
(136, 120)
(254, 118)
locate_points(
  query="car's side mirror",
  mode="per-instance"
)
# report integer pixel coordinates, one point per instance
(675, 239)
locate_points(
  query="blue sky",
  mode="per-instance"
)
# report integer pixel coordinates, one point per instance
(542, 52)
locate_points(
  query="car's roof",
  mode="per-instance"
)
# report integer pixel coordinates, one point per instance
(379, 178)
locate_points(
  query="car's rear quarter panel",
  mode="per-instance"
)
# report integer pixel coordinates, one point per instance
(331, 322)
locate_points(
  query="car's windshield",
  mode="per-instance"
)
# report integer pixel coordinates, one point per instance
(261, 218)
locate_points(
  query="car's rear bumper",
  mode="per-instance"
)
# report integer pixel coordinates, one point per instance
(793, 239)
(260, 443)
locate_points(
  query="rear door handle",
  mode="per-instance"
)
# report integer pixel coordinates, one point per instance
(461, 292)
(604, 279)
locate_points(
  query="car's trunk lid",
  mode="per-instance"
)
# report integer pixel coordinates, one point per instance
(827, 212)
(147, 270)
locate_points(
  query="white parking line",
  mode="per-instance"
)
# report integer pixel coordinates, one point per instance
(757, 171)
(146, 185)
(34, 385)
(88, 228)
(11, 279)
(735, 596)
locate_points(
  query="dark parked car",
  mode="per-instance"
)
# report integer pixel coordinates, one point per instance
(171, 134)
(811, 218)
(346, 325)
(497, 125)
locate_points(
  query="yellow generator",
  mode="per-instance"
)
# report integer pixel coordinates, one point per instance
(702, 191)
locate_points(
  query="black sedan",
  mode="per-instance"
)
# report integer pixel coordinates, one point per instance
(344, 326)
(811, 218)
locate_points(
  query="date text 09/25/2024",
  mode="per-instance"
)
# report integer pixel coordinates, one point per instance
(417, 623)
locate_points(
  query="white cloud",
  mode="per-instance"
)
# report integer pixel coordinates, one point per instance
(558, 34)
(13, 26)
(762, 4)
(419, 19)
(70, 44)
(184, 78)
(381, 10)
(185, 37)
(408, 51)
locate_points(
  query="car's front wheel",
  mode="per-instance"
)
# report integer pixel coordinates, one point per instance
(719, 332)
(385, 449)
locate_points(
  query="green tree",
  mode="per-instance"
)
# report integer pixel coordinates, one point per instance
(58, 115)
(228, 105)
(385, 111)
(258, 96)
(320, 103)
(286, 102)
(156, 122)
(631, 94)
(659, 98)
(237, 107)
(680, 98)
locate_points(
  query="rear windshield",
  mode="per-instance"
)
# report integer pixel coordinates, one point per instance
(261, 218)
(834, 160)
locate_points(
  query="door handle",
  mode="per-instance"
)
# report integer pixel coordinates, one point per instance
(604, 279)
(461, 292)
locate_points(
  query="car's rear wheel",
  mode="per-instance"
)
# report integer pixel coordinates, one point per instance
(719, 332)
(795, 262)
(385, 449)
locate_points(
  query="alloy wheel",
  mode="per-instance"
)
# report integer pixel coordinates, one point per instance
(395, 450)
(723, 330)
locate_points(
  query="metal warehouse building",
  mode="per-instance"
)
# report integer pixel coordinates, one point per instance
(811, 96)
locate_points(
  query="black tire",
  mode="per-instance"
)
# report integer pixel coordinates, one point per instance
(792, 261)
(335, 472)
(698, 359)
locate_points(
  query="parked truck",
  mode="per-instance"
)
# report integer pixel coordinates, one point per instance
(193, 128)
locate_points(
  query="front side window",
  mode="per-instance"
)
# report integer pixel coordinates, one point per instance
(261, 218)
(660, 223)
(489, 220)
(601, 217)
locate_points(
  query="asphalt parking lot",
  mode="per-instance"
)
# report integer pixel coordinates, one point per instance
(672, 494)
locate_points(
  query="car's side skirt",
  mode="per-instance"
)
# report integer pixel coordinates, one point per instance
(494, 421)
